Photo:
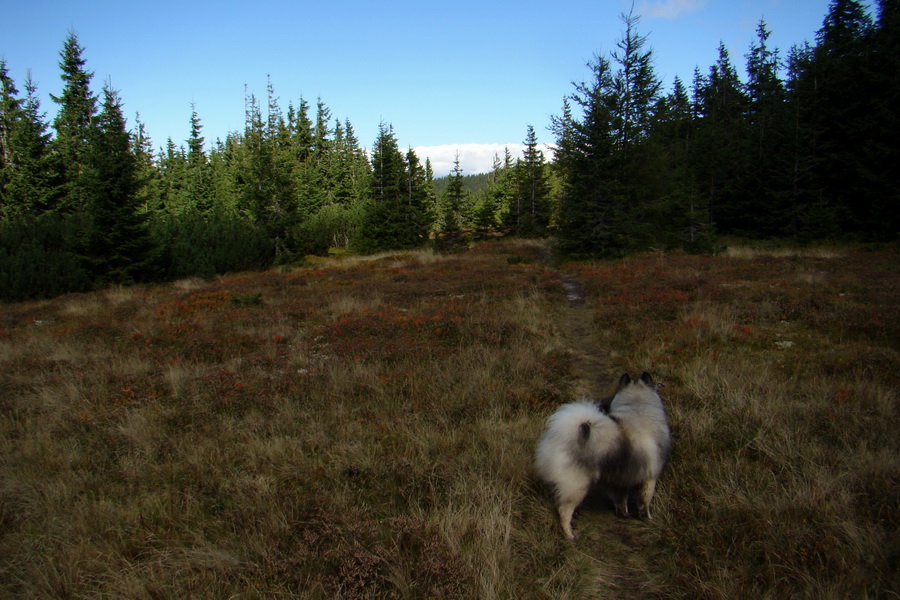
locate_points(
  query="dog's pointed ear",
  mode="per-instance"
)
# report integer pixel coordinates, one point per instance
(647, 379)
(624, 380)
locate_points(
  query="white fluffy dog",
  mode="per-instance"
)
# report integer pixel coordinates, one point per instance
(622, 452)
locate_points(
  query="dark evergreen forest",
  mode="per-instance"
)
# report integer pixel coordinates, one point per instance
(804, 146)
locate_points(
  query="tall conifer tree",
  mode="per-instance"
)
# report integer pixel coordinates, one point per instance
(149, 192)
(611, 176)
(38, 183)
(118, 247)
(388, 168)
(591, 218)
(532, 212)
(29, 183)
(198, 176)
(721, 143)
(811, 213)
(880, 149)
(635, 85)
(419, 192)
(77, 108)
(845, 103)
(681, 213)
(173, 166)
(390, 221)
(453, 204)
(767, 142)
(357, 163)
(267, 191)
(498, 203)
(10, 115)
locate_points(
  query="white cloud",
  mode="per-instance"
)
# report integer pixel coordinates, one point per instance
(669, 9)
(473, 158)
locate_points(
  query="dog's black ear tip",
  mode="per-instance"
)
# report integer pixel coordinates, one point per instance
(605, 404)
(624, 380)
(647, 378)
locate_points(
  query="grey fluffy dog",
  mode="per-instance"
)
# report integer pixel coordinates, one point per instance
(622, 451)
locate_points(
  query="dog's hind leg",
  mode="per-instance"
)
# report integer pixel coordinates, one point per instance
(620, 499)
(566, 510)
(647, 490)
(567, 504)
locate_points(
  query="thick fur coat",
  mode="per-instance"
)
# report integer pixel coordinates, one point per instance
(622, 451)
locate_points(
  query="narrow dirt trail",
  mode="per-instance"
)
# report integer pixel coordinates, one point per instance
(588, 368)
(618, 546)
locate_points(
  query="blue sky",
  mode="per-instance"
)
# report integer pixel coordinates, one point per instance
(465, 76)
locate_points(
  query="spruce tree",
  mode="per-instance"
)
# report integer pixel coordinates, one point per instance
(300, 128)
(497, 204)
(196, 140)
(636, 92)
(197, 175)
(148, 174)
(430, 200)
(453, 203)
(36, 243)
(10, 115)
(29, 171)
(419, 192)
(173, 167)
(673, 120)
(77, 109)
(118, 248)
(591, 216)
(347, 168)
(881, 151)
(612, 182)
(764, 88)
(845, 103)
(305, 179)
(357, 164)
(721, 153)
(635, 85)
(266, 183)
(317, 169)
(340, 188)
(769, 206)
(388, 168)
(222, 174)
(681, 212)
(284, 192)
(532, 211)
(390, 221)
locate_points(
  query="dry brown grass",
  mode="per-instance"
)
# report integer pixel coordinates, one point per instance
(781, 377)
(750, 252)
(364, 429)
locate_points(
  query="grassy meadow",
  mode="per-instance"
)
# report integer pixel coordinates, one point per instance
(364, 428)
